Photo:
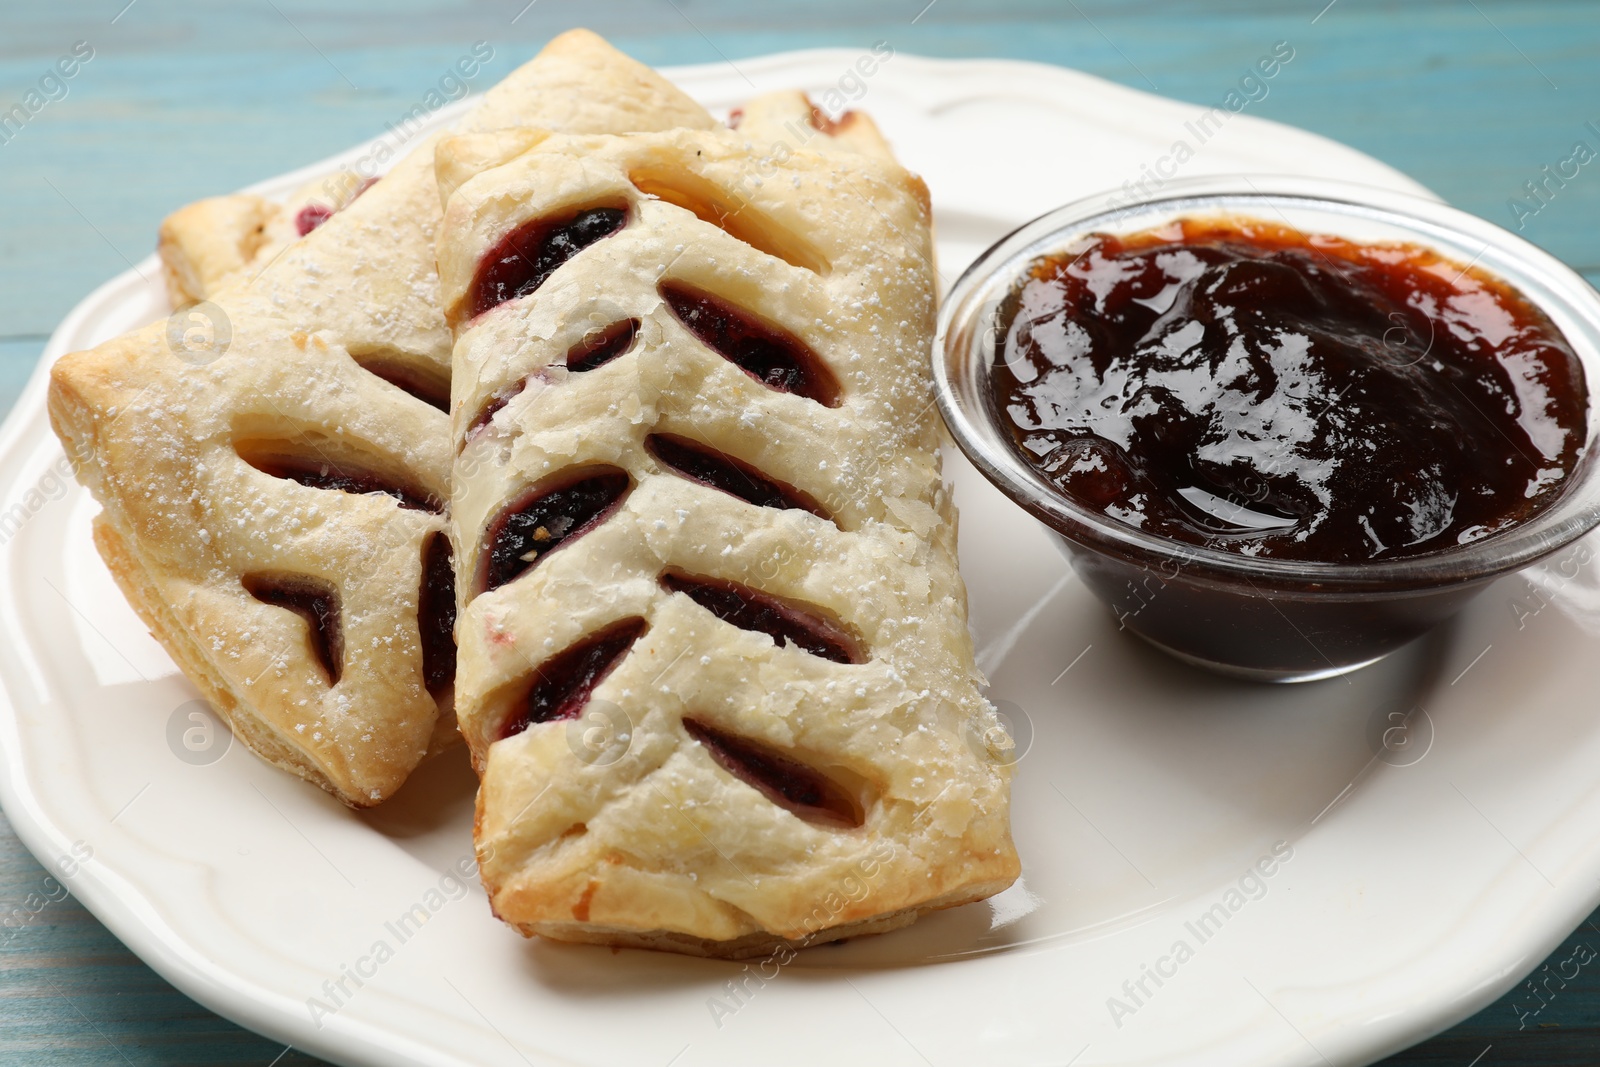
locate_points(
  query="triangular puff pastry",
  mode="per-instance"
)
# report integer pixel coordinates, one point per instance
(212, 243)
(273, 491)
(715, 670)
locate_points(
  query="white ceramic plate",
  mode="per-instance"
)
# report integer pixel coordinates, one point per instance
(1412, 883)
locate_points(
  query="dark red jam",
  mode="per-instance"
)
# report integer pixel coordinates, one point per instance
(345, 476)
(703, 464)
(311, 216)
(603, 346)
(750, 609)
(525, 258)
(562, 685)
(315, 601)
(594, 350)
(431, 389)
(769, 354)
(1239, 385)
(543, 519)
(436, 614)
(780, 778)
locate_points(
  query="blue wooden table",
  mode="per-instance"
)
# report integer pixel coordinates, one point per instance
(171, 100)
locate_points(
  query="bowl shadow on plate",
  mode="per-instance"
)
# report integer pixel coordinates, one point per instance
(1277, 758)
(1359, 702)
(1269, 754)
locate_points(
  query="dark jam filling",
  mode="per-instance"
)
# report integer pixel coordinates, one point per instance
(527, 256)
(785, 781)
(489, 410)
(749, 609)
(773, 357)
(543, 520)
(1238, 385)
(436, 614)
(594, 350)
(603, 346)
(431, 389)
(313, 215)
(310, 217)
(315, 601)
(699, 463)
(321, 473)
(564, 683)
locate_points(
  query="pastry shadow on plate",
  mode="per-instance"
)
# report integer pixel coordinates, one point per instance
(438, 794)
(592, 970)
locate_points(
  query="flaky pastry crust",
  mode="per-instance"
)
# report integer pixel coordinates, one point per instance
(181, 436)
(213, 243)
(642, 817)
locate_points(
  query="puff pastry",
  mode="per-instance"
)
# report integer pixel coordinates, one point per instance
(273, 492)
(715, 670)
(206, 245)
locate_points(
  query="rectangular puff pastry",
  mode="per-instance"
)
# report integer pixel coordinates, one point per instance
(273, 465)
(715, 670)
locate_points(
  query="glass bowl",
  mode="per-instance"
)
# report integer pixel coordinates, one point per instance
(1265, 619)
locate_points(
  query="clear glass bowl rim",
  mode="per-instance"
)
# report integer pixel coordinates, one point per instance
(1550, 284)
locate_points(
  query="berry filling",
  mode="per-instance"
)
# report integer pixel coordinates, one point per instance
(702, 464)
(781, 779)
(739, 605)
(603, 346)
(432, 389)
(436, 614)
(565, 682)
(342, 476)
(527, 256)
(315, 601)
(545, 518)
(311, 216)
(594, 350)
(770, 355)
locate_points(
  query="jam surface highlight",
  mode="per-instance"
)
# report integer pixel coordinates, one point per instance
(1238, 385)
